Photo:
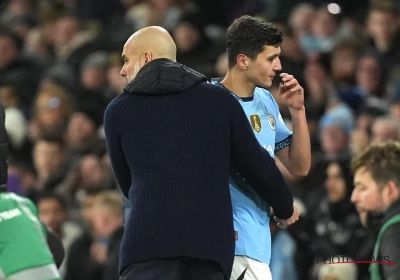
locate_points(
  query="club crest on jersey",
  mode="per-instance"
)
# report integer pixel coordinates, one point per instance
(255, 122)
(272, 121)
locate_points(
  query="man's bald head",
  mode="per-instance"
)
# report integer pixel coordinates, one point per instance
(143, 46)
(153, 39)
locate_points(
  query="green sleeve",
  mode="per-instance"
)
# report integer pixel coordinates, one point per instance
(32, 207)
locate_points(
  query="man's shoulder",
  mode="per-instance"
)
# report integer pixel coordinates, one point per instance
(213, 88)
(217, 94)
(117, 103)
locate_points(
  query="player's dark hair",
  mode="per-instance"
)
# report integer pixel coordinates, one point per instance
(50, 195)
(249, 36)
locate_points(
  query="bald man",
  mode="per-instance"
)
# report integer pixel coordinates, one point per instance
(171, 137)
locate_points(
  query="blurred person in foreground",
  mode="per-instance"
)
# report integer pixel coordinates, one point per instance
(377, 198)
(171, 137)
(28, 249)
(253, 64)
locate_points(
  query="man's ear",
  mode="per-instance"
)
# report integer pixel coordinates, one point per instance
(147, 57)
(391, 193)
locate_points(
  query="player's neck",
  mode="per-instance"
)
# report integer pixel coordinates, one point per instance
(238, 84)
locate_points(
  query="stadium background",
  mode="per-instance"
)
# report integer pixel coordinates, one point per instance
(59, 68)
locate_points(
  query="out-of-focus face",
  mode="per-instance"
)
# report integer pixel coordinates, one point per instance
(51, 213)
(48, 157)
(91, 171)
(366, 195)
(7, 97)
(87, 208)
(100, 219)
(48, 110)
(333, 140)
(80, 128)
(185, 37)
(66, 29)
(382, 132)
(395, 110)
(335, 184)
(133, 62)
(344, 64)
(115, 79)
(382, 25)
(368, 73)
(324, 23)
(291, 47)
(93, 78)
(301, 21)
(8, 51)
(365, 121)
(262, 70)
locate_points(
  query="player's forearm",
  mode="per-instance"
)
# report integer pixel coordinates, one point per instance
(300, 148)
(257, 166)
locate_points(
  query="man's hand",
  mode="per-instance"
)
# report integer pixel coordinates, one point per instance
(291, 93)
(285, 223)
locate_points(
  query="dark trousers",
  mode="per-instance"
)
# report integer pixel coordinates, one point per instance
(173, 269)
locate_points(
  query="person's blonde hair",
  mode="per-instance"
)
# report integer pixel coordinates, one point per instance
(110, 200)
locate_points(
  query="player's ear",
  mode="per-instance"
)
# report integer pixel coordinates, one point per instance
(242, 61)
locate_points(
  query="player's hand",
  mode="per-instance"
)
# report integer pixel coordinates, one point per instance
(290, 92)
(284, 223)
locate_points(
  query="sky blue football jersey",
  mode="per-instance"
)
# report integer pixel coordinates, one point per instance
(250, 212)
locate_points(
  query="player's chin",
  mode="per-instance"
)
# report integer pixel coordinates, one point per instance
(265, 84)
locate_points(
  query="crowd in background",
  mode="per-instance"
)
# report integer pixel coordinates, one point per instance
(59, 68)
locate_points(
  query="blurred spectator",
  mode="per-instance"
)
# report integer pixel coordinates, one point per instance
(22, 178)
(107, 226)
(89, 256)
(301, 19)
(384, 129)
(16, 124)
(50, 161)
(194, 48)
(335, 128)
(325, 32)
(116, 83)
(165, 13)
(82, 131)
(383, 29)
(91, 173)
(16, 69)
(52, 108)
(81, 264)
(93, 80)
(395, 102)
(345, 271)
(318, 82)
(53, 212)
(292, 57)
(370, 75)
(338, 230)
(72, 42)
(18, 8)
(345, 56)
